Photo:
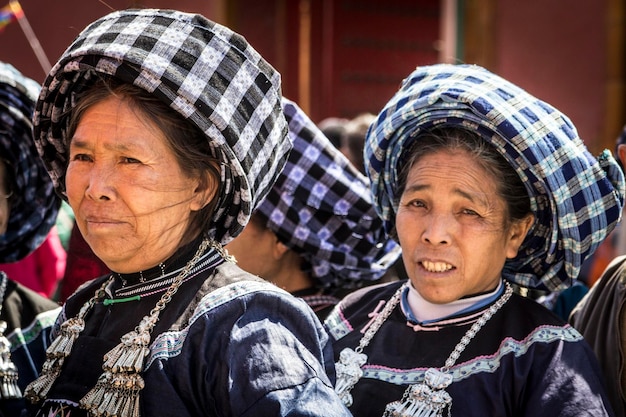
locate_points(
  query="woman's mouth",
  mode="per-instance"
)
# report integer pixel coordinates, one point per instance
(436, 266)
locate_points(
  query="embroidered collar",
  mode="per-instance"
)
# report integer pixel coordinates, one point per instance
(210, 259)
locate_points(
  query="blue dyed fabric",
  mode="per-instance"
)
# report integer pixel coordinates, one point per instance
(321, 207)
(576, 199)
(34, 204)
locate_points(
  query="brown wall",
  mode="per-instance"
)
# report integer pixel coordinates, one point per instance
(56, 23)
(341, 57)
(569, 54)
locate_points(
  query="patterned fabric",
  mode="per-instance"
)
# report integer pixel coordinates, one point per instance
(321, 208)
(202, 70)
(576, 199)
(34, 205)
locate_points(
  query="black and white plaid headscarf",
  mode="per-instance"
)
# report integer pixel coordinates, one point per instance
(321, 207)
(34, 204)
(577, 199)
(202, 70)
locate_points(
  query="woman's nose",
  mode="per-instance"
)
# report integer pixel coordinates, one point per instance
(101, 183)
(437, 229)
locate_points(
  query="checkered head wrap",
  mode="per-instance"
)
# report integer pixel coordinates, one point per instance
(576, 199)
(321, 208)
(34, 204)
(202, 70)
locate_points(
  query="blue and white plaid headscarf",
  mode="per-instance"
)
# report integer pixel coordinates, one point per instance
(576, 199)
(34, 204)
(321, 207)
(202, 70)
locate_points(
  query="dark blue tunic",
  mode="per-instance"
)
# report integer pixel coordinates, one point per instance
(228, 344)
(524, 362)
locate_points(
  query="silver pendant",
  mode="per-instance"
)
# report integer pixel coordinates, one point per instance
(348, 373)
(8, 371)
(427, 399)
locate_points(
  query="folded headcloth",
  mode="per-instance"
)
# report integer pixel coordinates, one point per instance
(576, 199)
(202, 70)
(34, 204)
(321, 208)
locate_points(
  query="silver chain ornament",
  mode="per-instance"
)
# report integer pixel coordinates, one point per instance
(426, 399)
(117, 391)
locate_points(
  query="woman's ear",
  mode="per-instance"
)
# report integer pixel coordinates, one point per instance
(207, 188)
(279, 248)
(517, 233)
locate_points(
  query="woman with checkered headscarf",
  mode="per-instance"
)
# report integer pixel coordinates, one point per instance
(483, 186)
(163, 130)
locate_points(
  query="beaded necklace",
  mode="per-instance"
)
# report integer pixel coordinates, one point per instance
(117, 391)
(426, 399)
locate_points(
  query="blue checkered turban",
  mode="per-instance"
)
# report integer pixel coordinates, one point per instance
(576, 199)
(34, 204)
(321, 208)
(202, 70)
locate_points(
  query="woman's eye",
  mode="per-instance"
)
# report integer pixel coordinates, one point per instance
(128, 160)
(81, 157)
(417, 203)
(469, 212)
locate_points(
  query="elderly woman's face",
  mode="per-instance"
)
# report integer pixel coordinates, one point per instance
(131, 200)
(5, 208)
(453, 228)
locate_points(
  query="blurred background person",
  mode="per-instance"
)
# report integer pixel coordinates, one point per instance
(333, 128)
(353, 139)
(316, 234)
(43, 269)
(28, 210)
(601, 315)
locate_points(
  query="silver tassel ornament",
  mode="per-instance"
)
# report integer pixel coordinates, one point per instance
(115, 395)
(428, 399)
(63, 344)
(348, 373)
(8, 371)
(422, 401)
(56, 353)
(128, 356)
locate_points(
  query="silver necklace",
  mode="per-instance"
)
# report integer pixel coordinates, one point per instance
(117, 391)
(426, 399)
